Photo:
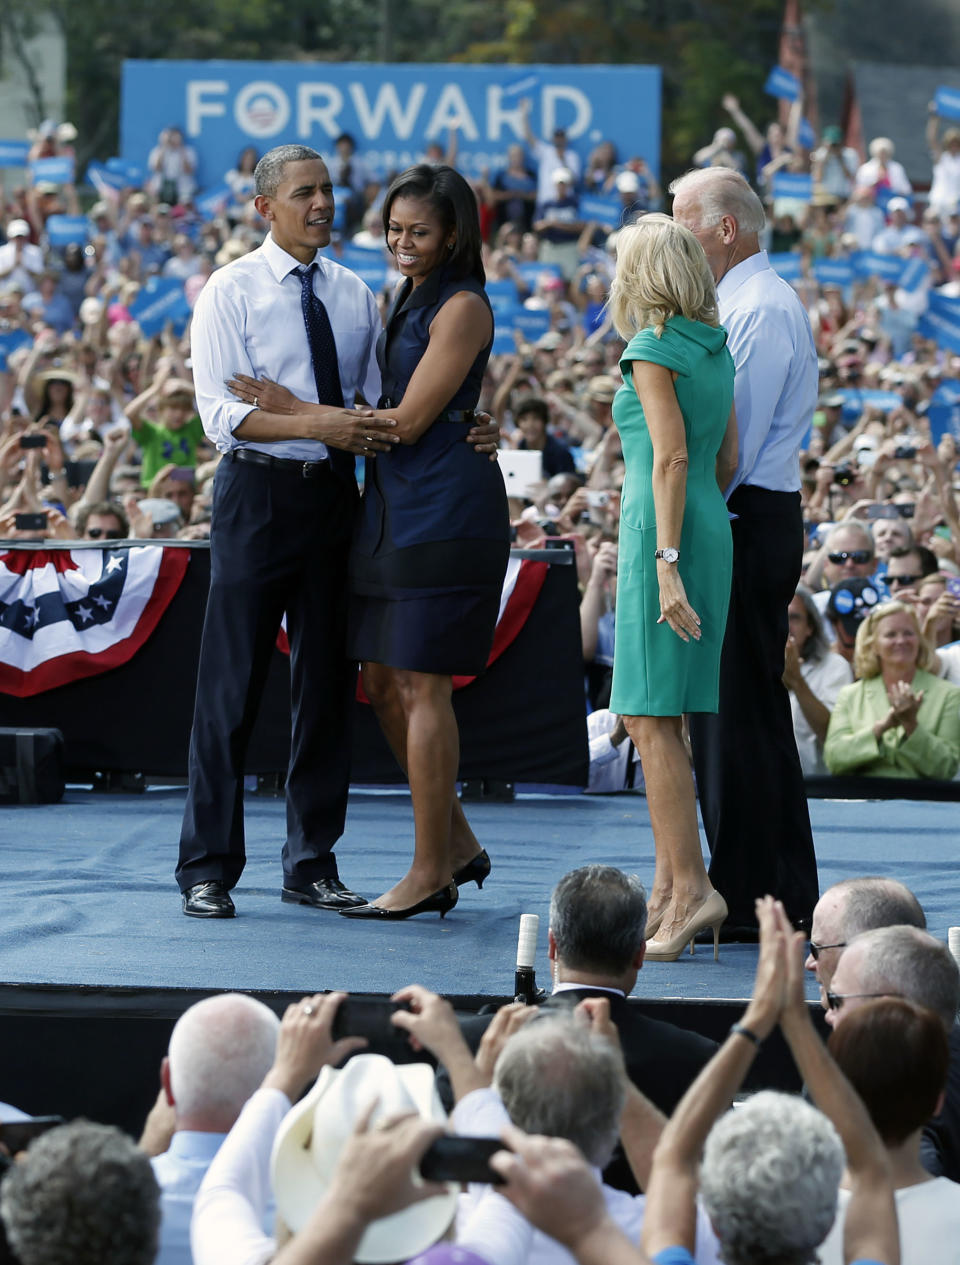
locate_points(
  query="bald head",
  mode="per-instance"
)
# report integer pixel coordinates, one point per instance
(897, 962)
(220, 1050)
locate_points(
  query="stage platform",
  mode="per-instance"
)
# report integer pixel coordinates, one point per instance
(91, 929)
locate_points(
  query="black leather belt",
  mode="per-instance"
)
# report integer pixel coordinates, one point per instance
(457, 415)
(286, 465)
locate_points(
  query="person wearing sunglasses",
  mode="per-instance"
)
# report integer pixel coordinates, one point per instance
(103, 520)
(907, 567)
(897, 719)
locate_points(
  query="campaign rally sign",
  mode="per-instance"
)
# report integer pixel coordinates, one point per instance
(944, 304)
(806, 136)
(944, 412)
(915, 274)
(103, 179)
(369, 265)
(10, 340)
(503, 295)
(533, 323)
(870, 263)
(602, 210)
(67, 615)
(856, 400)
(833, 272)
(14, 153)
(161, 300)
(132, 173)
(62, 230)
(942, 327)
(52, 170)
(788, 264)
(781, 83)
(392, 111)
(790, 184)
(213, 202)
(884, 193)
(947, 101)
(531, 271)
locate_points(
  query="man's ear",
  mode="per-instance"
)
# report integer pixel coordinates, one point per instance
(551, 945)
(729, 228)
(262, 203)
(165, 1081)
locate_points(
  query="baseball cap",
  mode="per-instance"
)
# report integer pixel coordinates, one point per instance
(18, 228)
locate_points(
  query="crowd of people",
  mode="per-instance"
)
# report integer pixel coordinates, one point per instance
(582, 1120)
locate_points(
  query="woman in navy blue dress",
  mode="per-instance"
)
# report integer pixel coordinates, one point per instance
(432, 543)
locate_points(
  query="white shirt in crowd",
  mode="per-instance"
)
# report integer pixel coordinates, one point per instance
(775, 390)
(248, 319)
(548, 160)
(24, 272)
(929, 1219)
(944, 193)
(826, 677)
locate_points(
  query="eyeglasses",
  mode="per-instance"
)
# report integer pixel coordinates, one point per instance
(835, 1000)
(903, 580)
(850, 555)
(817, 949)
(111, 533)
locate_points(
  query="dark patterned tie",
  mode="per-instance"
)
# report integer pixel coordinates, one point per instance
(323, 348)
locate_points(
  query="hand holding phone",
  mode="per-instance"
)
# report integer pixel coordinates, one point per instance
(456, 1159)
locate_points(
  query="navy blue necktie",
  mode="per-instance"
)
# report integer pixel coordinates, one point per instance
(323, 348)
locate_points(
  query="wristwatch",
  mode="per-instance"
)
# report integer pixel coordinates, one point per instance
(667, 555)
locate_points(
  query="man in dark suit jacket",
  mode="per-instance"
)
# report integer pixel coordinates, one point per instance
(598, 917)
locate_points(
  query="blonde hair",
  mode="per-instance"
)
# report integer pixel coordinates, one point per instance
(661, 272)
(866, 660)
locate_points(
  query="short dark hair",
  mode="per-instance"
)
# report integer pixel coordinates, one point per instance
(929, 564)
(86, 512)
(895, 1054)
(268, 172)
(455, 202)
(598, 916)
(533, 404)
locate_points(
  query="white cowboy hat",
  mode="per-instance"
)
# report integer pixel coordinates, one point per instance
(308, 1144)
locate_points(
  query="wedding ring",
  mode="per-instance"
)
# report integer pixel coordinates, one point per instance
(308, 1010)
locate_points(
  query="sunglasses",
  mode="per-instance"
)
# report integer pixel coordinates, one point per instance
(850, 555)
(817, 949)
(111, 533)
(835, 1000)
(903, 580)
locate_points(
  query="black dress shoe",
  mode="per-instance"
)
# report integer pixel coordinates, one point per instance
(475, 870)
(324, 893)
(209, 899)
(440, 902)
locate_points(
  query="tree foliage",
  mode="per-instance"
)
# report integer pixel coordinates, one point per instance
(705, 47)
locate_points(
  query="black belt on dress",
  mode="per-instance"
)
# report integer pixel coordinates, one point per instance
(448, 415)
(285, 465)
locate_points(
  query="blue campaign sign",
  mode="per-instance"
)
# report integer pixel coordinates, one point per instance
(369, 265)
(915, 273)
(503, 295)
(12, 339)
(944, 304)
(212, 202)
(54, 170)
(532, 272)
(788, 264)
(944, 329)
(855, 401)
(781, 83)
(132, 173)
(504, 343)
(601, 210)
(533, 322)
(833, 272)
(103, 179)
(62, 230)
(882, 196)
(944, 412)
(161, 300)
(14, 153)
(869, 263)
(393, 111)
(947, 101)
(806, 136)
(789, 184)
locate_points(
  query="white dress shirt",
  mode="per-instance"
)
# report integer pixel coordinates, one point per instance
(826, 677)
(179, 1172)
(248, 319)
(775, 389)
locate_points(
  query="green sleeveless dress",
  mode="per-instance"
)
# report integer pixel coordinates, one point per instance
(655, 673)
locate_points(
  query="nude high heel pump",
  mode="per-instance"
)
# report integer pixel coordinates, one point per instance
(710, 914)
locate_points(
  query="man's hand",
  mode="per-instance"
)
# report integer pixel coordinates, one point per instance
(767, 1002)
(159, 1127)
(484, 434)
(305, 1044)
(429, 1023)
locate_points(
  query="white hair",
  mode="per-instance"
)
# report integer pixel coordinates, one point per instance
(880, 143)
(220, 1050)
(720, 191)
(769, 1180)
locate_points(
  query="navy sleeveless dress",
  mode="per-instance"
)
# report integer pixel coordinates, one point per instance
(432, 541)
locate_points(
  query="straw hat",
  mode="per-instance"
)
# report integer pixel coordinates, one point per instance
(308, 1144)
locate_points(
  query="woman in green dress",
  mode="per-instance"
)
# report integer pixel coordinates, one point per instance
(678, 429)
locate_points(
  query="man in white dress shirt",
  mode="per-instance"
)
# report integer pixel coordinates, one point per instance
(220, 1050)
(284, 502)
(748, 772)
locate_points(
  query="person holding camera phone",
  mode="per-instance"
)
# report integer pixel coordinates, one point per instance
(678, 428)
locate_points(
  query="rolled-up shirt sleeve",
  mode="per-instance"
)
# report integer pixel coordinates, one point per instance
(218, 351)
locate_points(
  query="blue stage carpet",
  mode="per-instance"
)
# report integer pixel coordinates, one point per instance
(88, 898)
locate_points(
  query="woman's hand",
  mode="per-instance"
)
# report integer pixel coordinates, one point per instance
(484, 435)
(265, 394)
(904, 704)
(675, 610)
(792, 675)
